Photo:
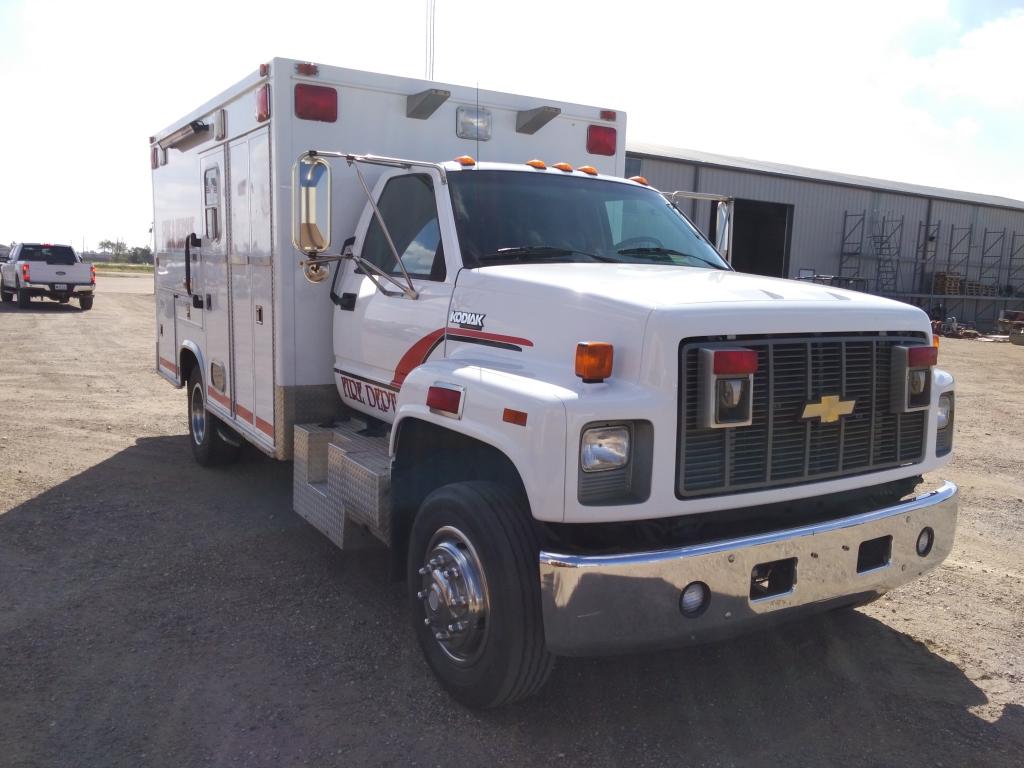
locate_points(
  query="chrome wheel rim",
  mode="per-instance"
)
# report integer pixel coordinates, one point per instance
(453, 593)
(197, 414)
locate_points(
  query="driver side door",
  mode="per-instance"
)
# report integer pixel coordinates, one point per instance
(381, 335)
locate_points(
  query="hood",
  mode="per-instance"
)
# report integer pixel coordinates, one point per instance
(657, 286)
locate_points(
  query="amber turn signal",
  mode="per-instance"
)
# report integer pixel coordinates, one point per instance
(465, 160)
(594, 361)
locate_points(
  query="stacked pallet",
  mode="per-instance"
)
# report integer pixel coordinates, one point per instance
(972, 288)
(947, 283)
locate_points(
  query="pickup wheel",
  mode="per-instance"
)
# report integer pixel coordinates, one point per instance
(23, 298)
(208, 447)
(474, 591)
(85, 302)
(6, 296)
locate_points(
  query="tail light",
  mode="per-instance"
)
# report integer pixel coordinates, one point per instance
(316, 102)
(92, 274)
(25, 274)
(726, 388)
(912, 377)
(601, 140)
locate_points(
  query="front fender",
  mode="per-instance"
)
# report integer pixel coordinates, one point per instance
(537, 450)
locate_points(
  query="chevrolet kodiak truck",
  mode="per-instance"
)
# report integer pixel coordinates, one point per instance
(576, 427)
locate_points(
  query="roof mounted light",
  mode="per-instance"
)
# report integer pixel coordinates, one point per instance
(563, 167)
(183, 134)
(307, 68)
(640, 180)
(465, 161)
(538, 164)
(473, 123)
(529, 121)
(422, 105)
(588, 169)
(601, 140)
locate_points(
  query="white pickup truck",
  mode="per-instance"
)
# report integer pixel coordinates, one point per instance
(48, 271)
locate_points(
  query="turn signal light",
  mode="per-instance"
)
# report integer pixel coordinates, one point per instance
(601, 140)
(594, 361)
(465, 160)
(263, 103)
(540, 164)
(316, 102)
(922, 357)
(735, 362)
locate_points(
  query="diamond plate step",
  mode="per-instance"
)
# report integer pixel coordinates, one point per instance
(342, 482)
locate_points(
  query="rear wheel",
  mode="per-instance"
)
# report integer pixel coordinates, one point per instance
(85, 302)
(209, 448)
(474, 591)
(6, 295)
(23, 298)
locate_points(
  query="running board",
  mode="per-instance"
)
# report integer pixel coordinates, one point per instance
(342, 482)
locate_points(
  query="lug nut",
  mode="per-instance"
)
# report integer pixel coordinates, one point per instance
(452, 573)
(421, 594)
(426, 622)
(436, 562)
(423, 571)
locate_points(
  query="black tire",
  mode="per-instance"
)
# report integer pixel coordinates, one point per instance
(499, 656)
(208, 448)
(6, 295)
(23, 298)
(85, 302)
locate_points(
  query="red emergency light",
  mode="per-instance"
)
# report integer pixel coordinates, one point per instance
(922, 357)
(316, 102)
(263, 103)
(735, 362)
(601, 140)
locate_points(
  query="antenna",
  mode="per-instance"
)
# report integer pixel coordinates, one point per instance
(429, 62)
(478, 117)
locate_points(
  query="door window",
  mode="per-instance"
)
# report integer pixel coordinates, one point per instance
(410, 212)
(211, 201)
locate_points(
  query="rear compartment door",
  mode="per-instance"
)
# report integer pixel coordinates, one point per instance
(212, 289)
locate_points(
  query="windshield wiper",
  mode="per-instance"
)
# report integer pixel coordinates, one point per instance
(531, 252)
(666, 253)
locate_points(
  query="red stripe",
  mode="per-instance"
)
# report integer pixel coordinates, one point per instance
(418, 353)
(490, 336)
(244, 412)
(415, 355)
(169, 365)
(264, 426)
(218, 397)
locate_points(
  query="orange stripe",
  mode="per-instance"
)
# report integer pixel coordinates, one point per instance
(244, 412)
(218, 397)
(169, 365)
(264, 426)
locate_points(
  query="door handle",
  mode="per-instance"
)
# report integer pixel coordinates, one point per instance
(190, 240)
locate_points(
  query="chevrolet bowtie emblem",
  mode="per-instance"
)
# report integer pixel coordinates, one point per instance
(828, 409)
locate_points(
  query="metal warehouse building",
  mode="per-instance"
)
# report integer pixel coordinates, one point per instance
(951, 253)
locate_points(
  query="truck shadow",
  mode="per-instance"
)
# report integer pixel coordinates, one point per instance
(40, 307)
(150, 607)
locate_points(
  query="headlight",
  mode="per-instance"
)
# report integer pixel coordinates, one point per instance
(604, 448)
(945, 406)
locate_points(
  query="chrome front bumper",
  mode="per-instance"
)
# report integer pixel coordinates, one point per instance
(608, 604)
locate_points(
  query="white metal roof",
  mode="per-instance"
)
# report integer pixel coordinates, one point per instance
(828, 177)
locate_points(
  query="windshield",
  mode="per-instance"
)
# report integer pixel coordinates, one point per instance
(510, 217)
(51, 254)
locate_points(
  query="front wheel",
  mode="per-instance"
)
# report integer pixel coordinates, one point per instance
(474, 591)
(209, 447)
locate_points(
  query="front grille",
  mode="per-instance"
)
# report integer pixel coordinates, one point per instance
(780, 448)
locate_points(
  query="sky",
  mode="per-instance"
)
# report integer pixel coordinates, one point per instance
(921, 91)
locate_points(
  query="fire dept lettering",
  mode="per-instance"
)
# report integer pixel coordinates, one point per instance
(378, 398)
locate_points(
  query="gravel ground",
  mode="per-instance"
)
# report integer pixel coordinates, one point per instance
(154, 613)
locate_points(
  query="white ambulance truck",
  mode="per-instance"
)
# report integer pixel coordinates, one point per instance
(578, 430)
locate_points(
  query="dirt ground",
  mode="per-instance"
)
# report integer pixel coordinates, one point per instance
(154, 613)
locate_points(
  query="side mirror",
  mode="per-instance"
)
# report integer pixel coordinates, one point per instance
(311, 205)
(723, 228)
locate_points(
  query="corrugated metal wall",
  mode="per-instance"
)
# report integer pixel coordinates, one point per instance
(818, 218)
